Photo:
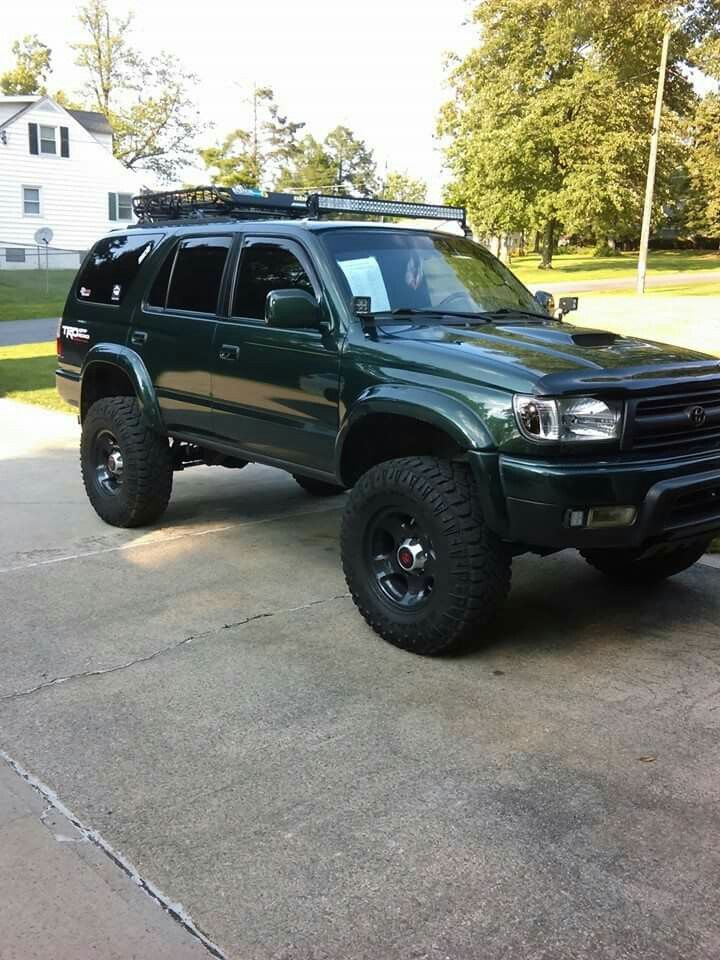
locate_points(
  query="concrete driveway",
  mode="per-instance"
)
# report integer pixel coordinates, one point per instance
(204, 696)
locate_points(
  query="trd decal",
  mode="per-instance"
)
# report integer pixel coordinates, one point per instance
(75, 333)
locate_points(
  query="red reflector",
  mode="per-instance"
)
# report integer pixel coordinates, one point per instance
(58, 346)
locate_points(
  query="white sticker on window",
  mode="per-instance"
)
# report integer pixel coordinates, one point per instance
(366, 280)
(116, 292)
(85, 291)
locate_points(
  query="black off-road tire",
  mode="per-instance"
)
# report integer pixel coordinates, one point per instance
(318, 488)
(631, 566)
(144, 490)
(472, 567)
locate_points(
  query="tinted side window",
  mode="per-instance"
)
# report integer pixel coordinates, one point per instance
(158, 292)
(265, 267)
(198, 271)
(113, 264)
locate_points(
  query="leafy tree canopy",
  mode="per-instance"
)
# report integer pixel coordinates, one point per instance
(552, 112)
(146, 101)
(31, 70)
(401, 186)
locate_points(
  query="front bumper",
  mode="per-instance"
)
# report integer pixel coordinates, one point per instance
(528, 501)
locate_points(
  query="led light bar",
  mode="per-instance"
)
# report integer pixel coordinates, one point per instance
(319, 203)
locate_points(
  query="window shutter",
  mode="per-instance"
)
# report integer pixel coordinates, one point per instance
(112, 206)
(33, 135)
(64, 142)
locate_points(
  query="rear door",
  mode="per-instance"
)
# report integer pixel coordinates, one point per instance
(174, 327)
(275, 391)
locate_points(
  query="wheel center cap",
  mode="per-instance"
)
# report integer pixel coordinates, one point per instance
(115, 462)
(411, 556)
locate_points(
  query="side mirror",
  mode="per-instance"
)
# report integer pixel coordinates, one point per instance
(567, 305)
(292, 310)
(546, 301)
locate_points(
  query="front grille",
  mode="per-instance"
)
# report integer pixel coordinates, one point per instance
(676, 421)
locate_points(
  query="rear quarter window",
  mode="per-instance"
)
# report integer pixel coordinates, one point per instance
(112, 266)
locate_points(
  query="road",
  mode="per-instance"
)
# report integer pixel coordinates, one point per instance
(27, 331)
(204, 696)
(628, 283)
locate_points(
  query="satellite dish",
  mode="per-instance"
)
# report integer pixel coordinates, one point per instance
(43, 235)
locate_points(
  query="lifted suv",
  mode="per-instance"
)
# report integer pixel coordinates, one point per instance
(406, 364)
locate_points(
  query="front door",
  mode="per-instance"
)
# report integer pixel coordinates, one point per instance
(275, 391)
(174, 328)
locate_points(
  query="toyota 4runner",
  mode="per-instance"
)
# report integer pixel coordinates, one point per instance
(406, 365)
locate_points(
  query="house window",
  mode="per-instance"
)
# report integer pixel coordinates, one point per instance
(15, 254)
(31, 201)
(48, 140)
(120, 206)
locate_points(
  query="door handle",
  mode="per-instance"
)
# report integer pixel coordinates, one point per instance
(229, 351)
(138, 337)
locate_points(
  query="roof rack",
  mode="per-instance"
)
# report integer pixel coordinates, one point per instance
(234, 203)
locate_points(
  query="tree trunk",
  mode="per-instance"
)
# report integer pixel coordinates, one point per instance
(611, 243)
(538, 239)
(548, 244)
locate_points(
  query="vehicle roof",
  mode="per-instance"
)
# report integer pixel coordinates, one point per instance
(274, 224)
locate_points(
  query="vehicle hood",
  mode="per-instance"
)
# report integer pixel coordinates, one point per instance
(550, 358)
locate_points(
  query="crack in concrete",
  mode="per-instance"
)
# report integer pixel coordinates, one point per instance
(176, 910)
(169, 648)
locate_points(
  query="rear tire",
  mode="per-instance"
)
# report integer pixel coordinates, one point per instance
(422, 510)
(126, 468)
(318, 488)
(632, 566)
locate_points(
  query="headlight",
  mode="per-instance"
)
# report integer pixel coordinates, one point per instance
(574, 418)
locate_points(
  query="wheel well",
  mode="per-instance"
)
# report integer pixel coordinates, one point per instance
(103, 380)
(385, 436)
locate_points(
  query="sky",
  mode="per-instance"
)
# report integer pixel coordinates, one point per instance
(374, 66)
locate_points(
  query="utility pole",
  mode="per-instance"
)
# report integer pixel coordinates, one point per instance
(652, 164)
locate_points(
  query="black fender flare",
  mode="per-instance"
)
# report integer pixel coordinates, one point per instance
(448, 414)
(131, 364)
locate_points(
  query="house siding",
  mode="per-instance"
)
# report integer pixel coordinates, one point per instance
(74, 190)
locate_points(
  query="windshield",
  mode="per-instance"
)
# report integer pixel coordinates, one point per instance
(400, 270)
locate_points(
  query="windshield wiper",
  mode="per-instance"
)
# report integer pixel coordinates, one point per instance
(401, 313)
(512, 311)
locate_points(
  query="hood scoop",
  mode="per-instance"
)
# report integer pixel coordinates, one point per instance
(558, 336)
(595, 338)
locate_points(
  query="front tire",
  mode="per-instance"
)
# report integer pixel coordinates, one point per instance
(126, 468)
(639, 566)
(422, 567)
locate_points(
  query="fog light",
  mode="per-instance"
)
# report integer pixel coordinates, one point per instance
(611, 516)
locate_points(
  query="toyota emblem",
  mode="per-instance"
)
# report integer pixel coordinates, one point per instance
(698, 416)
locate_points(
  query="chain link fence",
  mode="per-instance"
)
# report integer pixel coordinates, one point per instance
(35, 279)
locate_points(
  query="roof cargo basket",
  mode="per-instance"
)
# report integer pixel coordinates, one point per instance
(233, 203)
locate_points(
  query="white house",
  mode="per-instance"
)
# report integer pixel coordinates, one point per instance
(57, 170)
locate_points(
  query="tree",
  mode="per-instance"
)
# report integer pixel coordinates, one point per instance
(703, 202)
(552, 114)
(341, 163)
(31, 70)
(400, 186)
(255, 157)
(310, 168)
(352, 161)
(235, 161)
(146, 102)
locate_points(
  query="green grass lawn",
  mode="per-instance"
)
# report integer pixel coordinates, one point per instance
(584, 266)
(27, 372)
(23, 293)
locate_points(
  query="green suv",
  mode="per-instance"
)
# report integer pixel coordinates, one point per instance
(408, 366)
